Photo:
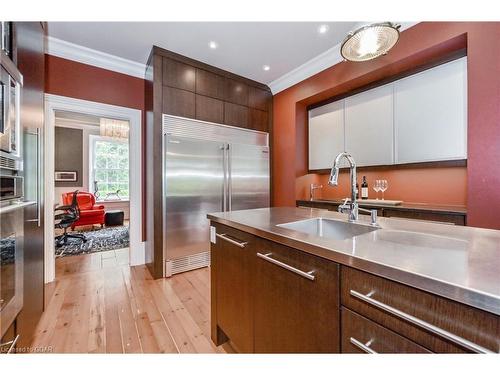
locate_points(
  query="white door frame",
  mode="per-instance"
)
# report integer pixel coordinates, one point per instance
(61, 103)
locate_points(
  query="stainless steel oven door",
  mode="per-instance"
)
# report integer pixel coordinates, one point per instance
(10, 121)
(11, 267)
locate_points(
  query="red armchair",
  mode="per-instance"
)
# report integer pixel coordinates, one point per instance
(90, 213)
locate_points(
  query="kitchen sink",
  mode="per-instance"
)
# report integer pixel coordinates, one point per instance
(328, 228)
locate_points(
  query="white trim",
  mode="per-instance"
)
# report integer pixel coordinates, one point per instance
(317, 64)
(89, 56)
(61, 103)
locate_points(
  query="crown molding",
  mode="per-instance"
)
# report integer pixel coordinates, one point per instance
(317, 64)
(89, 56)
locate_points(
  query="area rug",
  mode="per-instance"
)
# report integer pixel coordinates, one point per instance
(111, 238)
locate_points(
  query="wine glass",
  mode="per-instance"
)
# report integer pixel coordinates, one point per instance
(376, 187)
(383, 187)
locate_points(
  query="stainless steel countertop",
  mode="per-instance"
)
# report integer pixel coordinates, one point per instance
(459, 263)
(15, 206)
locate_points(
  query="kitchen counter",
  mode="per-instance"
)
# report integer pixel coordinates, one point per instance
(421, 211)
(459, 263)
(403, 206)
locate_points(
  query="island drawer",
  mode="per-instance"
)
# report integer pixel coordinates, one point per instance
(437, 323)
(361, 335)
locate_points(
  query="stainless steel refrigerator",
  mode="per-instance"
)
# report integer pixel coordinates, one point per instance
(208, 167)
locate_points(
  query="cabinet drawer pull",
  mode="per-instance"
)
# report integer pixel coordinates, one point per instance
(364, 347)
(11, 344)
(308, 275)
(420, 323)
(225, 238)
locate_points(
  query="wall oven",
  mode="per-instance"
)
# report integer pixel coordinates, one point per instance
(11, 267)
(10, 89)
(11, 187)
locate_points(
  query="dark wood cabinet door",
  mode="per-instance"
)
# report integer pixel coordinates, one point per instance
(258, 120)
(427, 216)
(465, 322)
(209, 109)
(236, 92)
(292, 313)
(233, 294)
(178, 102)
(361, 335)
(179, 75)
(209, 84)
(258, 98)
(235, 115)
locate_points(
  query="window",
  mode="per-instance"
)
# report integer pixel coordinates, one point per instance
(109, 164)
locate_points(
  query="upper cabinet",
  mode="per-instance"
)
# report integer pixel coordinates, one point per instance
(420, 118)
(195, 90)
(326, 134)
(430, 113)
(369, 127)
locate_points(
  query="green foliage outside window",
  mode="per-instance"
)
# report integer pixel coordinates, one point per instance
(111, 167)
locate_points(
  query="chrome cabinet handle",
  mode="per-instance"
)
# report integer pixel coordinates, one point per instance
(308, 275)
(12, 344)
(234, 242)
(420, 323)
(364, 347)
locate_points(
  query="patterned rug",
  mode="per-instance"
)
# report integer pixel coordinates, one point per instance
(98, 240)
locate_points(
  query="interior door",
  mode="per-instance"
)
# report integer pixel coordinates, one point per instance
(194, 186)
(248, 167)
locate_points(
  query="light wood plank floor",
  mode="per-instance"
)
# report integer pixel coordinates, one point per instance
(99, 304)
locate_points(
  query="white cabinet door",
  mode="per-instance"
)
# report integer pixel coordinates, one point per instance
(369, 128)
(326, 134)
(430, 114)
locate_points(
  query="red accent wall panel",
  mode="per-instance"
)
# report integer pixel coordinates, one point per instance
(418, 46)
(81, 81)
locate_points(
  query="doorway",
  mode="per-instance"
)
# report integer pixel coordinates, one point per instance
(100, 129)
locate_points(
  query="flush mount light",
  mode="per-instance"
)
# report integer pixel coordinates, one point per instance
(370, 42)
(213, 45)
(266, 67)
(322, 29)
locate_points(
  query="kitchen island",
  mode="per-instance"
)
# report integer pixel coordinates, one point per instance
(321, 284)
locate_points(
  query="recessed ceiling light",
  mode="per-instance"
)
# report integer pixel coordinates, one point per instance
(322, 29)
(213, 45)
(266, 67)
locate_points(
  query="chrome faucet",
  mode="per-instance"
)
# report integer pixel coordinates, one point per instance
(352, 206)
(313, 187)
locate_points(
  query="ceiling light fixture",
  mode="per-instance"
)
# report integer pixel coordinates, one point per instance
(266, 67)
(213, 45)
(322, 29)
(370, 42)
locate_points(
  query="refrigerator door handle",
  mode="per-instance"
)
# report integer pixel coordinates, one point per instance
(224, 171)
(229, 178)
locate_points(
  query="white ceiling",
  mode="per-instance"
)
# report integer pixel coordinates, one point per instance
(243, 47)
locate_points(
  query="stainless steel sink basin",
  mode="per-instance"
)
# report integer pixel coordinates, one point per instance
(328, 228)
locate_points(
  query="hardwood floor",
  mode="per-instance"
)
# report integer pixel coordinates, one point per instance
(99, 304)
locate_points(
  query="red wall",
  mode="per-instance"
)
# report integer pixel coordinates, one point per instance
(76, 80)
(478, 184)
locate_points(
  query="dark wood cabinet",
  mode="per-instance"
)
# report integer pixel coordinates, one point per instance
(209, 109)
(466, 323)
(179, 75)
(258, 98)
(236, 92)
(209, 84)
(294, 313)
(361, 335)
(235, 115)
(178, 102)
(258, 120)
(232, 255)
